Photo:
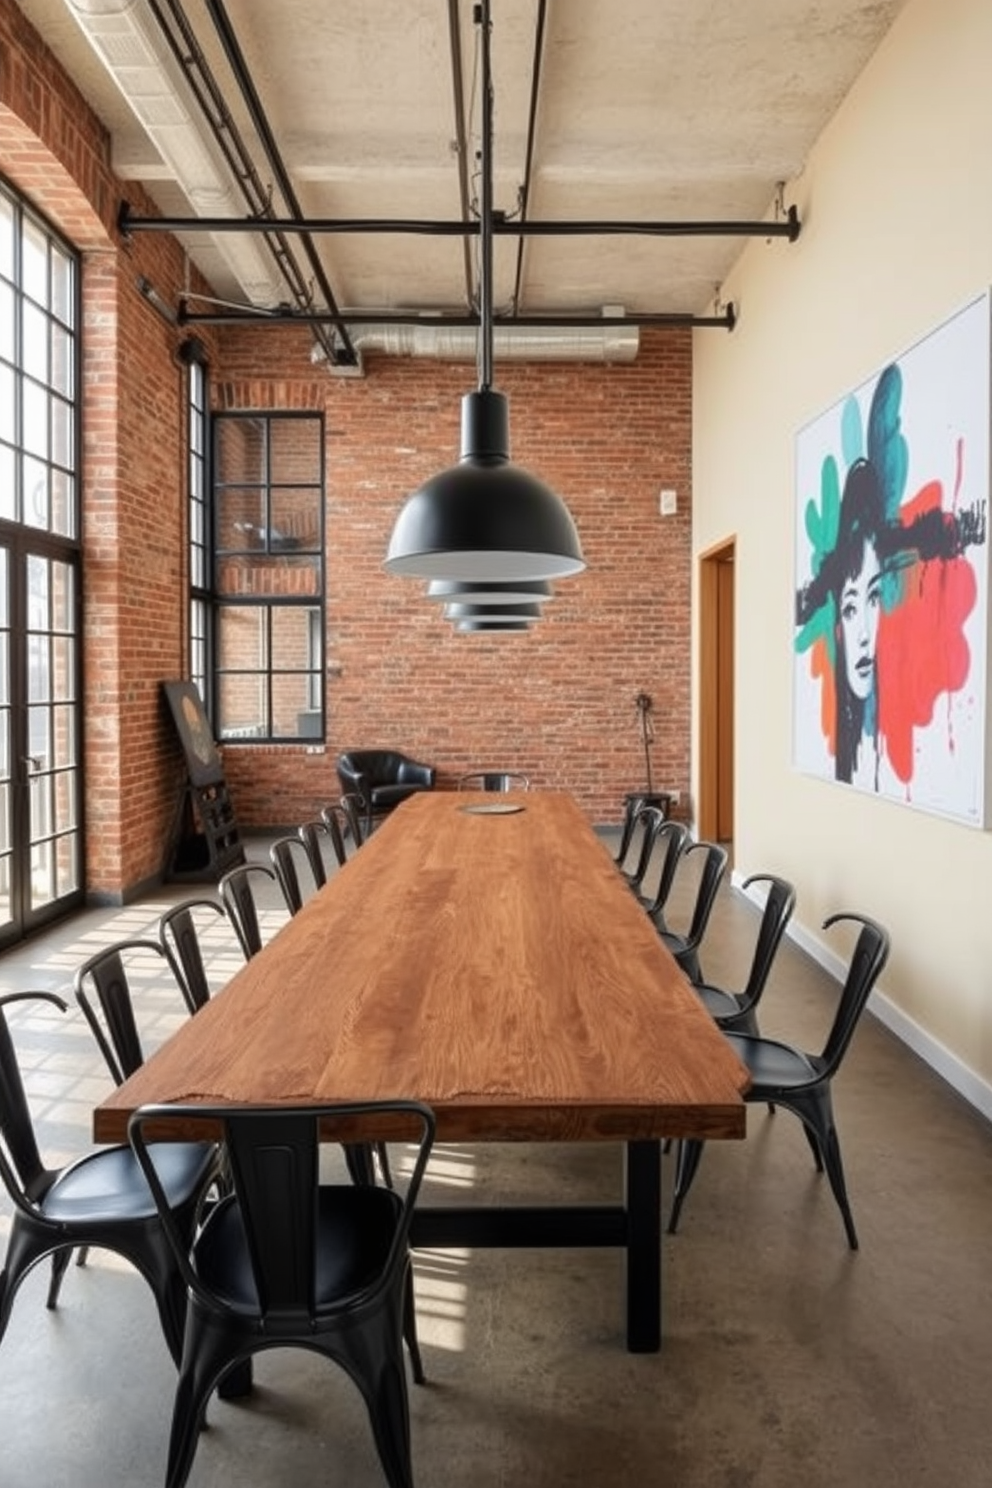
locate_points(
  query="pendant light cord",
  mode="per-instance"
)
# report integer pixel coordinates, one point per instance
(486, 209)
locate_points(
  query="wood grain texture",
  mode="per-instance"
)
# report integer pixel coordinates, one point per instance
(496, 967)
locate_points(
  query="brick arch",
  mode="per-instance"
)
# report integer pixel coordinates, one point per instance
(52, 146)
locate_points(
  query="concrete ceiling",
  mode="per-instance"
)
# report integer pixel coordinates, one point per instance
(629, 110)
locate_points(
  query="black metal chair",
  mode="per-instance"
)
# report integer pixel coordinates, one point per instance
(351, 809)
(633, 802)
(494, 780)
(283, 1261)
(668, 843)
(648, 822)
(684, 945)
(313, 834)
(101, 1199)
(294, 871)
(737, 1012)
(335, 824)
(102, 985)
(179, 937)
(783, 1075)
(238, 898)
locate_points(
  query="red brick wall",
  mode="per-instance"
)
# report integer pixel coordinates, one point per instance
(557, 702)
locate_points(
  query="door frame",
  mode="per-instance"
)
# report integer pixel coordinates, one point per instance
(716, 655)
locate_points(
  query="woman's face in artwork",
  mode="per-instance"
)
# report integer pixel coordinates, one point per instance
(860, 603)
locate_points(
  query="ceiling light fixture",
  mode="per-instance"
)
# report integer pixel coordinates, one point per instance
(485, 518)
(504, 627)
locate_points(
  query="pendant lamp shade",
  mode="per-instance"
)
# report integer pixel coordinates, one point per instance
(492, 614)
(495, 628)
(524, 591)
(485, 519)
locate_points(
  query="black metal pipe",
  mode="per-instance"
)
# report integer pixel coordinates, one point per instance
(288, 316)
(461, 136)
(235, 57)
(501, 226)
(535, 91)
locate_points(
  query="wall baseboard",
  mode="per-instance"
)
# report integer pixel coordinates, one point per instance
(976, 1091)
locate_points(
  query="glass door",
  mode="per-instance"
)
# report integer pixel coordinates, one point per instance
(40, 769)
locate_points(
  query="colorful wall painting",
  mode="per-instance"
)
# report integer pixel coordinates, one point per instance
(891, 596)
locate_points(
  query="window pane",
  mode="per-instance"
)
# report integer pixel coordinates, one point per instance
(63, 279)
(8, 489)
(36, 490)
(62, 368)
(34, 350)
(291, 711)
(6, 322)
(34, 262)
(35, 422)
(63, 736)
(295, 519)
(7, 403)
(241, 638)
(6, 236)
(62, 433)
(243, 708)
(240, 520)
(62, 504)
(294, 451)
(239, 453)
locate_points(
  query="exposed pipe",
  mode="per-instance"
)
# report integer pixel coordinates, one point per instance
(461, 136)
(593, 343)
(535, 89)
(501, 226)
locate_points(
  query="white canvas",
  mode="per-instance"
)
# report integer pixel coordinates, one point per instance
(889, 641)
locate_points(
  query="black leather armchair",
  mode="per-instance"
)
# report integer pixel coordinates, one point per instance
(382, 778)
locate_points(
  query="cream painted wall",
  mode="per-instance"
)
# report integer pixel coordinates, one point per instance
(897, 235)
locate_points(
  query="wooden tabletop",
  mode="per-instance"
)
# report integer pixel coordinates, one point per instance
(494, 966)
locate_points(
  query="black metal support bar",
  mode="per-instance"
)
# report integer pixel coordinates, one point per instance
(569, 1226)
(535, 93)
(501, 226)
(461, 136)
(235, 57)
(284, 316)
(643, 1183)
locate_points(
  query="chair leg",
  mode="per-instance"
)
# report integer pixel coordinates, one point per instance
(835, 1172)
(410, 1330)
(686, 1162)
(60, 1261)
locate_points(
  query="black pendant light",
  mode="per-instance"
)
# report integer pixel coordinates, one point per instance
(485, 518)
(502, 627)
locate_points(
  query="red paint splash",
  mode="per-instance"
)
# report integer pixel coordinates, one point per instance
(922, 651)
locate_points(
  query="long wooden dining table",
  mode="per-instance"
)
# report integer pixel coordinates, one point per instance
(484, 956)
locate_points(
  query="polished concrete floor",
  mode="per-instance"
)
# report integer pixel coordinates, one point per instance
(786, 1360)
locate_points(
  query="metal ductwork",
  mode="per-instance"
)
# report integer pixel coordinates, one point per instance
(608, 343)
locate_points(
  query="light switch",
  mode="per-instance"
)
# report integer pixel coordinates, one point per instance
(668, 503)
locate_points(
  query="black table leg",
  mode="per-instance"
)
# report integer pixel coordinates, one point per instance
(642, 1181)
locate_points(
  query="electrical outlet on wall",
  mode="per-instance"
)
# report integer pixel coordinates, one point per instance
(676, 797)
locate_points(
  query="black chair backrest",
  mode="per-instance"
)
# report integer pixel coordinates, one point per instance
(21, 1167)
(330, 819)
(112, 1020)
(289, 856)
(494, 780)
(649, 820)
(780, 901)
(353, 808)
(714, 867)
(871, 951)
(273, 1154)
(178, 937)
(668, 843)
(237, 895)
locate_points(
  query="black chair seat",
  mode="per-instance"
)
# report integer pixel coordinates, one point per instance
(354, 1228)
(773, 1066)
(109, 1184)
(717, 1003)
